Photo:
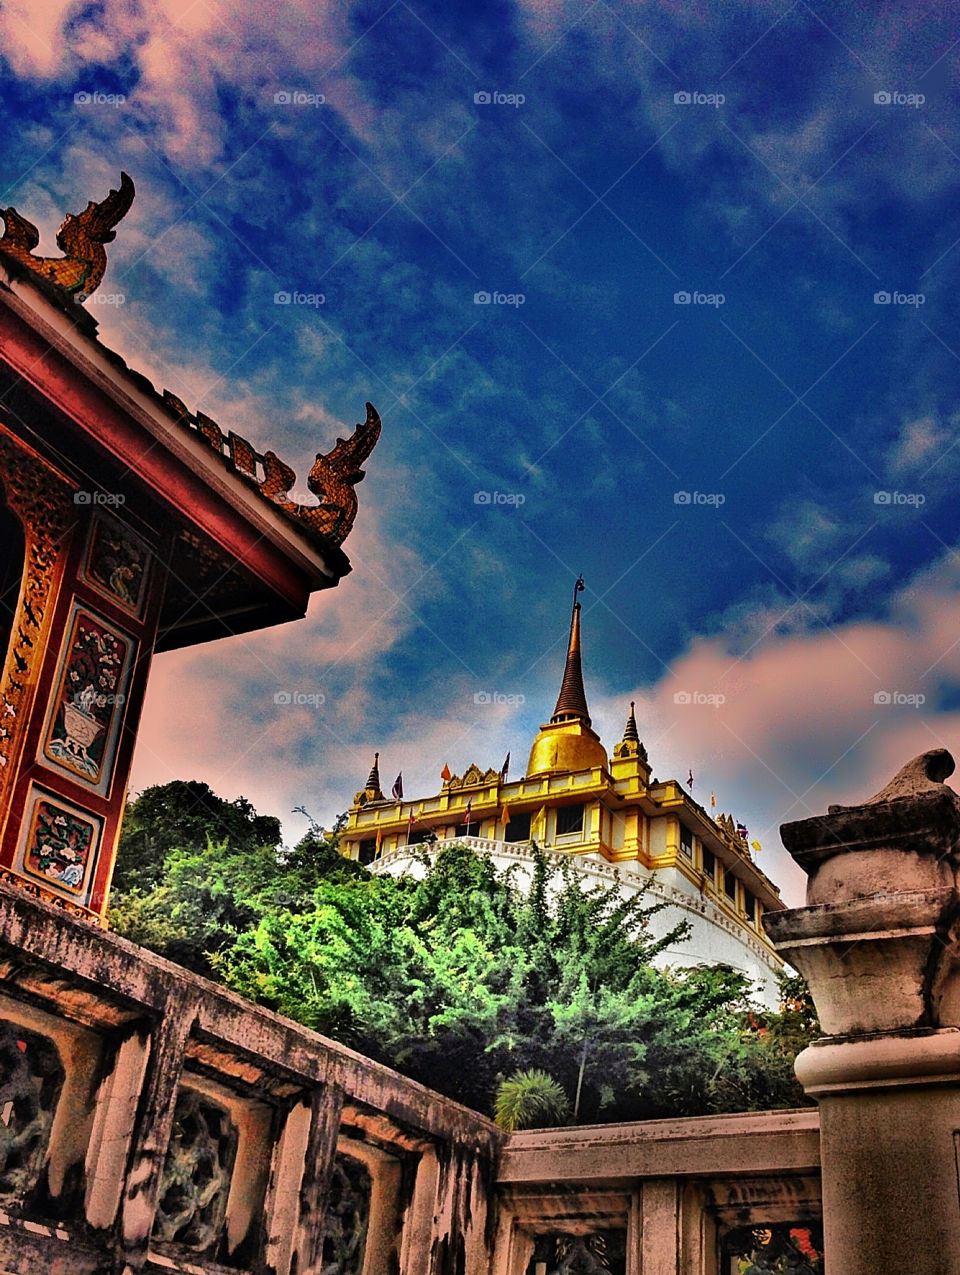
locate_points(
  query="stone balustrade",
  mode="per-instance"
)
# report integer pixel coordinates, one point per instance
(151, 1121)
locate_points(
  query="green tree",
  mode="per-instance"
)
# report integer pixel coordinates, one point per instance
(468, 978)
(183, 815)
(471, 975)
(187, 894)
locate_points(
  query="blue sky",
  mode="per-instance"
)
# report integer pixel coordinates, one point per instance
(784, 186)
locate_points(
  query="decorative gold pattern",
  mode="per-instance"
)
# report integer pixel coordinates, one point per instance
(472, 777)
(43, 501)
(10, 877)
(81, 237)
(332, 478)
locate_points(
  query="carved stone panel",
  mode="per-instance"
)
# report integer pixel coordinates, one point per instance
(31, 1077)
(348, 1217)
(602, 1253)
(195, 1184)
(775, 1248)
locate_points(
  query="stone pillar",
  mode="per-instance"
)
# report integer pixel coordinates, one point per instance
(302, 1170)
(151, 1134)
(659, 1227)
(878, 944)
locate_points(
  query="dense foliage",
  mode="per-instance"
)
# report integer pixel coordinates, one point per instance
(537, 994)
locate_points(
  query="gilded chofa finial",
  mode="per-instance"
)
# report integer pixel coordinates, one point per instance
(81, 237)
(332, 480)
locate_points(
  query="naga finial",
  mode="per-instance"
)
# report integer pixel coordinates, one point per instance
(81, 237)
(332, 480)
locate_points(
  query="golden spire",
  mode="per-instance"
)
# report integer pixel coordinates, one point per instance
(568, 742)
(630, 731)
(572, 700)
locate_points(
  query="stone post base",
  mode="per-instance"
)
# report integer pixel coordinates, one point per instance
(889, 1137)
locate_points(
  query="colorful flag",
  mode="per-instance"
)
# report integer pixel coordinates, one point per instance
(468, 814)
(504, 768)
(756, 847)
(397, 789)
(410, 820)
(505, 814)
(379, 840)
(690, 779)
(713, 801)
(445, 774)
(742, 832)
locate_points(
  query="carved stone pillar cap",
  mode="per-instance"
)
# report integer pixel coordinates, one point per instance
(879, 942)
(915, 818)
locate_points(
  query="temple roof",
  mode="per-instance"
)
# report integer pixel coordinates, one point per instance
(68, 280)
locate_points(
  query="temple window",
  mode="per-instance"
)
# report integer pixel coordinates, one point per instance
(569, 820)
(367, 850)
(749, 905)
(518, 829)
(730, 885)
(686, 842)
(708, 862)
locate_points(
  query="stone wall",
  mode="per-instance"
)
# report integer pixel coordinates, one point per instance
(663, 1197)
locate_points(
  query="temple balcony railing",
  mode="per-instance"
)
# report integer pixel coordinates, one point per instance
(152, 1120)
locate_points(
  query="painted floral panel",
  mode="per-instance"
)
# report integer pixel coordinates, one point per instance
(117, 563)
(60, 845)
(89, 700)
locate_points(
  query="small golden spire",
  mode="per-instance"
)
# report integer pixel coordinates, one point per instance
(372, 789)
(572, 700)
(630, 731)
